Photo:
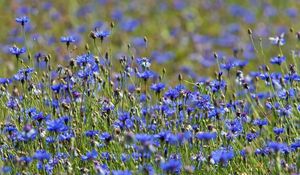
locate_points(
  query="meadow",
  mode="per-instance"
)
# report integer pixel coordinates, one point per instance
(149, 87)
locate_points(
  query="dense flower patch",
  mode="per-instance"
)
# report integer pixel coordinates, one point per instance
(95, 115)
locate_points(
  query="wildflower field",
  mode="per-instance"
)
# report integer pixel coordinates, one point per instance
(150, 87)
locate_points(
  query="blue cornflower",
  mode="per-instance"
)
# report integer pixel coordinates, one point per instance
(12, 103)
(23, 74)
(106, 137)
(25, 159)
(56, 87)
(285, 111)
(6, 169)
(124, 157)
(105, 156)
(276, 147)
(206, 135)
(278, 40)
(17, 51)
(147, 169)
(9, 128)
(146, 74)
(172, 93)
(171, 166)
(22, 20)
(90, 155)
(143, 138)
(241, 63)
(235, 125)
(42, 155)
(129, 25)
(102, 34)
(277, 60)
(294, 146)
(85, 59)
(262, 152)
(227, 66)
(243, 152)
(50, 139)
(67, 39)
(91, 133)
(143, 62)
(102, 169)
(222, 155)
(216, 85)
(129, 123)
(28, 133)
(5, 81)
(162, 57)
(66, 136)
(278, 131)
(260, 122)
(158, 87)
(57, 125)
(251, 136)
(121, 172)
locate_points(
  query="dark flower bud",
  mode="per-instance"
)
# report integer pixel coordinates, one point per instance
(210, 127)
(267, 68)
(281, 80)
(138, 90)
(92, 35)
(106, 55)
(2, 88)
(180, 77)
(87, 46)
(292, 68)
(65, 106)
(164, 71)
(72, 62)
(15, 92)
(245, 85)
(249, 31)
(298, 35)
(215, 55)
(117, 131)
(112, 24)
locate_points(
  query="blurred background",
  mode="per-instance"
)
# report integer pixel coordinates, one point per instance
(180, 36)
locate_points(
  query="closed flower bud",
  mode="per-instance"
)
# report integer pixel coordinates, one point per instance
(249, 31)
(87, 47)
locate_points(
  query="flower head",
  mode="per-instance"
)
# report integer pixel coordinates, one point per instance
(277, 60)
(277, 40)
(222, 155)
(90, 155)
(67, 39)
(17, 51)
(206, 135)
(41, 155)
(22, 20)
(171, 166)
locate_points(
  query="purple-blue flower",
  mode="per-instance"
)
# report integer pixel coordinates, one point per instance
(90, 155)
(158, 87)
(22, 20)
(171, 166)
(17, 51)
(42, 155)
(277, 60)
(222, 155)
(277, 40)
(206, 135)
